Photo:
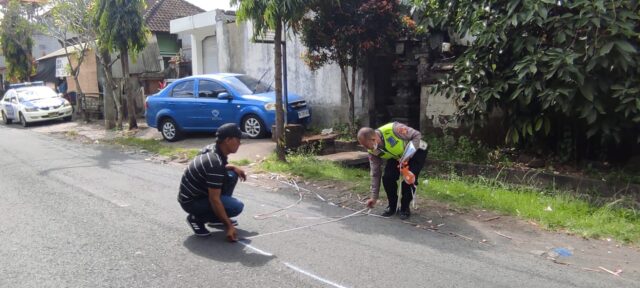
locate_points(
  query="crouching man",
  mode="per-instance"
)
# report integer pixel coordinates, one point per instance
(206, 188)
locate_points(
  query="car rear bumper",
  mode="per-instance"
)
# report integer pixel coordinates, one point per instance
(293, 117)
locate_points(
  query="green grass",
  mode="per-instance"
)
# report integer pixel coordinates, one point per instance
(567, 212)
(241, 162)
(309, 167)
(157, 147)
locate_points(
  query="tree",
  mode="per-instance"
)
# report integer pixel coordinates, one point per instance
(121, 28)
(273, 15)
(69, 21)
(553, 68)
(346, 32)
(16, 37)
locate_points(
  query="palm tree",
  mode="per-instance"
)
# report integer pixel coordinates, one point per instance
(273, 15)
(121, 28)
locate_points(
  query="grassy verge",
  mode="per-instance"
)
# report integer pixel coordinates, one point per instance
(241, 162)
(156, 146)
(552, 210)
(308, 167)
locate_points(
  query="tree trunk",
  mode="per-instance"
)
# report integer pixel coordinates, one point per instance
(352, 100)
(79, 94)
(343, 69)
(108, 103)
(278, 79)
(131, 108)
(105, 58)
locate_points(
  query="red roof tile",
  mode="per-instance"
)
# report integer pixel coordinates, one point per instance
(160, 12)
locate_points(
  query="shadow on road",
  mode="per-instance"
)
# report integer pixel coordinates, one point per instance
(216, 247)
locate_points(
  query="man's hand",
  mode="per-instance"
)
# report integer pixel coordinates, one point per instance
(232, 234)
(240, 173)
(371, 202)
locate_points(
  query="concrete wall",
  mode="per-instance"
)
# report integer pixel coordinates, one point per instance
(437, 110)
(210, 55)
(185, 39)
(323, 89)
(44, 45)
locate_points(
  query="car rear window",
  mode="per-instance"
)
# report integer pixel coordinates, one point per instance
(183, 89)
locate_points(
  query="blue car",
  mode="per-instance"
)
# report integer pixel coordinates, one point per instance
(203, 103)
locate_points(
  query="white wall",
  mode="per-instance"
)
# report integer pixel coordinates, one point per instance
(210, 55)
(322, 89)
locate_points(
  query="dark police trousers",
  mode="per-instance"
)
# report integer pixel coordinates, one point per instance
(203, 212)
(391, 175)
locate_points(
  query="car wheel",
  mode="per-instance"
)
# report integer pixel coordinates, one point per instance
(7, 121)
(254, 127)
(169, 130)
(66, 119)
(23, 121)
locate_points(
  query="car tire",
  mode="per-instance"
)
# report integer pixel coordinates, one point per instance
(253, 126)
(6, 120)
(169, 130)
(23, 121)
(66, 119)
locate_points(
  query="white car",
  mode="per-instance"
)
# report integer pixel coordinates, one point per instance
(33, 104)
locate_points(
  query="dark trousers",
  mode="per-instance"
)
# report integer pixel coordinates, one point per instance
(203, 212)
(391, 175)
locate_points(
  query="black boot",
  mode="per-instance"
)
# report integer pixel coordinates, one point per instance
(404, 214)
(390, 211)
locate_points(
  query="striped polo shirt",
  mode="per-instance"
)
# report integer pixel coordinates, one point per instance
(206, 170)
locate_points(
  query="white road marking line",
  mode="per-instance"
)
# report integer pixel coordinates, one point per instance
(313, 276)
(119, 203)
(255, 249)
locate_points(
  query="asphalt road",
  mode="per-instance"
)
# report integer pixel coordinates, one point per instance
(77, 215)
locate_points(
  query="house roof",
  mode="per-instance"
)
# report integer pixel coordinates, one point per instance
(61, 52)
(160, 12)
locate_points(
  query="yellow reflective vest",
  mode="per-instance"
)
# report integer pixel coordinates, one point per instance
(393, 145)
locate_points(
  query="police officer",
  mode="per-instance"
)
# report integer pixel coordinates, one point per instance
(389, 143)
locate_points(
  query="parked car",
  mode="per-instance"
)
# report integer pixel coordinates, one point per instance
(203, 103)
(33, 102)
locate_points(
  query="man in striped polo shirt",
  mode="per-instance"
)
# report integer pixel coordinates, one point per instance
(206, 188)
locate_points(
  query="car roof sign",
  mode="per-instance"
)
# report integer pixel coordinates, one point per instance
(26, 84)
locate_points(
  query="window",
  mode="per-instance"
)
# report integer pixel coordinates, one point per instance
(210, 89)
(183, 90)
(247, 85)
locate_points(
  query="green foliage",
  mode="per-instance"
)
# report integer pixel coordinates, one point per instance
(265, 14)
(547, 64)
(16, 38)
(344, 132)
(120, 25)
(346, 31)
(462, 149)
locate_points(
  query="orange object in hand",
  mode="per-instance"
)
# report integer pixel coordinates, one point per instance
(408, 176)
